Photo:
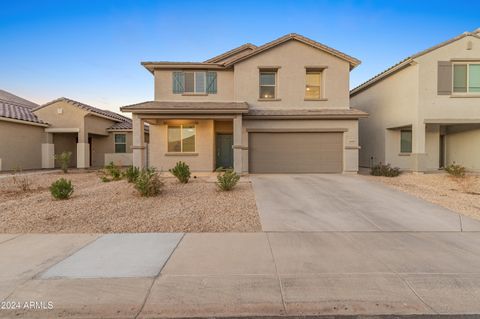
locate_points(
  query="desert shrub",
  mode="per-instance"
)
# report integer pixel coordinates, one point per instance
(111, 172)
(64, 159)
(131, 174)
(148, 183)
(61, 189)
(227, 180)
(384, 170)
(22, 182)
(181, 171)
(455, 170)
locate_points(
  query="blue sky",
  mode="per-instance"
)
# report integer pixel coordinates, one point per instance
(91, 50)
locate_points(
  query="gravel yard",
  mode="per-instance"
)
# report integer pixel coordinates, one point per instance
(98, 207)
(457, 194)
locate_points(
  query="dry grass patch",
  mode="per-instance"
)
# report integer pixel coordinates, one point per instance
(116, 207)
(461, 195)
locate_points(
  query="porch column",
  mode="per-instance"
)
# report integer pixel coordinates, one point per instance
(48, 151)
(138, 142)
(83, 151)
(418, 147)
(237, 144)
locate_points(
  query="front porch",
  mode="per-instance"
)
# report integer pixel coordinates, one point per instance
(204, 135)
(434, 145)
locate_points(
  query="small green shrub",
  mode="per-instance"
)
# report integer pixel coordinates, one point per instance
(64, 159)
(181, 171)
(456, 170)
(227, 180)
(384, 170)
(111, 172)
(148, 183)
(61, 189)
(131, 174)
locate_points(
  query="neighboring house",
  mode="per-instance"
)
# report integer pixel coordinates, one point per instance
(425, 110)
(21, 133)
(282, 107)
(31, 135)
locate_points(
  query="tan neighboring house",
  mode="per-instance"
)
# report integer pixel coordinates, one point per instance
(425, 110)
(31, 136)
(282, 107)
(21, 133)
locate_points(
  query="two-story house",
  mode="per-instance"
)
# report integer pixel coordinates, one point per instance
(282, 107)
(425, 110)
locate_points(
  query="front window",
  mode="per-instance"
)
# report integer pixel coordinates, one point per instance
(405, 141)
(195, 82)
(466, 78)
(120, 143)
(267, 84)
(313, 85)
(181, 138)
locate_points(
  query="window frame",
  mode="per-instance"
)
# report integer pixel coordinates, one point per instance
(275, 86)
(411, 141)
(115, 142)
(181, 138)
(467, 64)
(195, 83)
(320, 86)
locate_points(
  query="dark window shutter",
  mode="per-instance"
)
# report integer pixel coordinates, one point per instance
(444, 83)
(212, 82)
(178, 80)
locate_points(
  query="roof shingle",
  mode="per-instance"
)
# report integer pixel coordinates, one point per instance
(18, 112)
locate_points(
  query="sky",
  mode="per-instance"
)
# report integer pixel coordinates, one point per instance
(91, 51)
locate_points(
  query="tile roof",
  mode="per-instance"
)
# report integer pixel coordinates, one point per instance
(248, 50)
(112, 115)
(406, 62)
(18, 112)
(125, 126)
(9, 97)
(305, 113)
(185, 106)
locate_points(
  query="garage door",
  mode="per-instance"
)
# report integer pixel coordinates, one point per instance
(298, 152)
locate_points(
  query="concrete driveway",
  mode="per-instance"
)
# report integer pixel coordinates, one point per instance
(321, 202)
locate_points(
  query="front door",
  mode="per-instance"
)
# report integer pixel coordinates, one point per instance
(224, 151)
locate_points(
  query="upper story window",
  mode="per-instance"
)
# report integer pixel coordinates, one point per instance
(466, 77)
(268, 82)
(194, 82)
(313, 87)
(181, 138)
(120, 143)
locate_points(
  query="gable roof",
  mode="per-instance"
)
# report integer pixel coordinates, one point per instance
(9, 97)
(243, 52)
(17, 112)
(230, 53)
(96, 111)
(407, 61)
(297, 37)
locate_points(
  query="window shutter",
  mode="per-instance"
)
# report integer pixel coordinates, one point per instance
(212, 82)
(178, 80)
(444, 83)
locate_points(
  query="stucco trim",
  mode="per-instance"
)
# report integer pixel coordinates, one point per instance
(451, 121)
(303, 117)
(299, 130)
(63, 130)
(180, 154)
(7, 119)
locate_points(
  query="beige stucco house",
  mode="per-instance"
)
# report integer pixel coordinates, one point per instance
(425, 110)
(282, 107)
(31, 135)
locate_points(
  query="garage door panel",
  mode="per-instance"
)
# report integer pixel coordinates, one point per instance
(295, 152)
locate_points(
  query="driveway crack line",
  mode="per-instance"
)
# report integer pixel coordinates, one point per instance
(282, 293)
(154, 279)
(418, 296)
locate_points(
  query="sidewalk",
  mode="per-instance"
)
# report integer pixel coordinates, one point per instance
(241, 274)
